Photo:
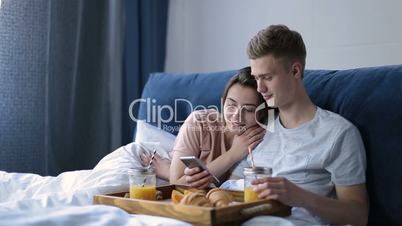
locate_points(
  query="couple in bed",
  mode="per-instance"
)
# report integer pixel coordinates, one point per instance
(318, 158)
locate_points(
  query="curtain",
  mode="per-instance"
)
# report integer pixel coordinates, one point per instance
(23, 54)
(68, 71)
(61, 80)
(145, 48)
(83, 86)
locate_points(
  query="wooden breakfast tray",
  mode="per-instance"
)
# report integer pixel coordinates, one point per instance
(230, 215)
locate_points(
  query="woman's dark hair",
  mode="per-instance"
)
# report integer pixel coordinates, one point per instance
(244, 78)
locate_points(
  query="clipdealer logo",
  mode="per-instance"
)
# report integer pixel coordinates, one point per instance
(164, 114)
(155, 113)
(269, 125)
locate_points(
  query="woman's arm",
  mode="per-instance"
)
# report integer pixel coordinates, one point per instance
(160, 164)
(180, 174)
(239, 149)
(177, 169)
(187, 143)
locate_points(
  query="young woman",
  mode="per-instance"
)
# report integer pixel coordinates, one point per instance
(220, 140)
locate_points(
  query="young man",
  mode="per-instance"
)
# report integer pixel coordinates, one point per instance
(318, 157)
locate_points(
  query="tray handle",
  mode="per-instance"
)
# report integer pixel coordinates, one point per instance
(250, 211)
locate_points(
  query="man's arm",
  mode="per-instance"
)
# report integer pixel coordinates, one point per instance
(350, 207)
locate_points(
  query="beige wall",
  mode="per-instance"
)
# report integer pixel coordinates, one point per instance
(211, 35)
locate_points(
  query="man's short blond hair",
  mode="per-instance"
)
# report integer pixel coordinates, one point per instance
(281, 42)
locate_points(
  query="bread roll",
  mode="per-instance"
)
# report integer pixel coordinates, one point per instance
(219, 198)
(196, 199)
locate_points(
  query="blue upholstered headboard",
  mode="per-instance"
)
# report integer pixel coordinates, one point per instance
(189, 91)
(371, 98)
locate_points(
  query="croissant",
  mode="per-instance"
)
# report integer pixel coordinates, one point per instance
(219, 198)
(196, 199)
(192, 190)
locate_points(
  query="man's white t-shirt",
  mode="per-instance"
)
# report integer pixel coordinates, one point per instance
(323, 152)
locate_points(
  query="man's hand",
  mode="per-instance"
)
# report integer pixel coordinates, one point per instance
(279, 188)
(197, 179)
(248, 139)
(350, 206)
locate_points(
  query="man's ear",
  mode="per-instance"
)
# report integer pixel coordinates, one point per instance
(297, 70)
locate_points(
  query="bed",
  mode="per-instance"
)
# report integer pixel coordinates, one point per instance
(368, 97)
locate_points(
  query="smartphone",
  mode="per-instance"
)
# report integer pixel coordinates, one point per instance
(192, 161)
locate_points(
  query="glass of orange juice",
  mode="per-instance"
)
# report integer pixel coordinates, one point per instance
(251, 173)
(142, 183)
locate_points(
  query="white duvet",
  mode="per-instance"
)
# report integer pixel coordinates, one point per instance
(19, 191)
(92, 215)
(31, 200)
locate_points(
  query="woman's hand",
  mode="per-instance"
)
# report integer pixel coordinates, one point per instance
(197, 179)
(281, 189)
(160, 164)
(249, 139)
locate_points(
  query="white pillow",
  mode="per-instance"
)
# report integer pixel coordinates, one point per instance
(147, 133)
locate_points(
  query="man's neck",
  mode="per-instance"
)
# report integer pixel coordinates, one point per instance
(297, 113)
